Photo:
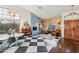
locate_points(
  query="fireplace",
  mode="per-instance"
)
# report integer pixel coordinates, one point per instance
(34, 28)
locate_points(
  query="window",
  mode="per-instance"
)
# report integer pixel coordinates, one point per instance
(7, 21)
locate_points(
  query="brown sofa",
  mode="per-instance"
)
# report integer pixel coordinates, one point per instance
(26, 31)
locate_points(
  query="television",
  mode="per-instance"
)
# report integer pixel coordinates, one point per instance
(34, 28)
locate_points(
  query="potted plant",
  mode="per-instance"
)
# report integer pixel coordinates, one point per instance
(58, 33)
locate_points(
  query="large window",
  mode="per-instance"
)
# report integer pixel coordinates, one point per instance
(8, 22)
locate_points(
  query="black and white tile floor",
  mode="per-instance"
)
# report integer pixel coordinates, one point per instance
(35, 44)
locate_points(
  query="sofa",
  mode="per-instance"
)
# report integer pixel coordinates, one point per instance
(7, 43)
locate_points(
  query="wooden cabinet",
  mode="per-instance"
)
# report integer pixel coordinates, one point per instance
(76, 30)
(68, 28)
(71, 32)
(71, 29)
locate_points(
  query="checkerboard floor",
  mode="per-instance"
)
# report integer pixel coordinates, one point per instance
(35, 44)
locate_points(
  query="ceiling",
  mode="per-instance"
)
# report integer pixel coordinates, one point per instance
(48, 11)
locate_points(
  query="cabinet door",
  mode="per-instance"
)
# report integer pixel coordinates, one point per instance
(76, 29)
(68, 29)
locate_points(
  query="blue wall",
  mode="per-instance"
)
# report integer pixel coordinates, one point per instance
(35, 20)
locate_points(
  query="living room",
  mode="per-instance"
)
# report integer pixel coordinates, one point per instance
(35, 28)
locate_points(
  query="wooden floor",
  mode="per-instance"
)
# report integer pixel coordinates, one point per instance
(66, 46)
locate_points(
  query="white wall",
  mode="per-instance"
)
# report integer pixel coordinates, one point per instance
(23, 14)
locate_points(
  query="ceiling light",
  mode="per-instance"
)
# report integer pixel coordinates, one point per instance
(12, 12)
(72, 13)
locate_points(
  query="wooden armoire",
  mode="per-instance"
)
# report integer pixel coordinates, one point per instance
(71, 32)
(71, 29)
